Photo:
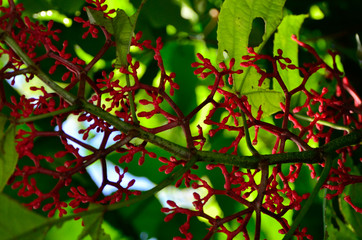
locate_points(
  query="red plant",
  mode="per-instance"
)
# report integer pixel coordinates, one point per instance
(258, 183)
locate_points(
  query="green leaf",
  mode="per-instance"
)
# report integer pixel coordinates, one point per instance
(121, 27)
(2, 126)
(269, 100)
(16, 220)
(123, 31)
(93, 226)
(97, 18)
(235, 25)
(350, 215)
(8, 154)
(359, 50)
(336, 228)
(282, 40)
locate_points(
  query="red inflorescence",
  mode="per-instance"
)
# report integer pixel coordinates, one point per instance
(273, 196)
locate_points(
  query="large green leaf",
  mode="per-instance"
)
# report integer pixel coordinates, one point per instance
(93, 226)
(335, 227)
(16, 220)
(8, 154)
(235, 25)
(282, 40)
(121, 27)
(123, 32)
(97, 18)
(350, 215)
(269, 100)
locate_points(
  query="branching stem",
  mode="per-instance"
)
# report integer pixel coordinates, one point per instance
(46, 115)
(325, 123)
(251, 162)
(170, 179)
